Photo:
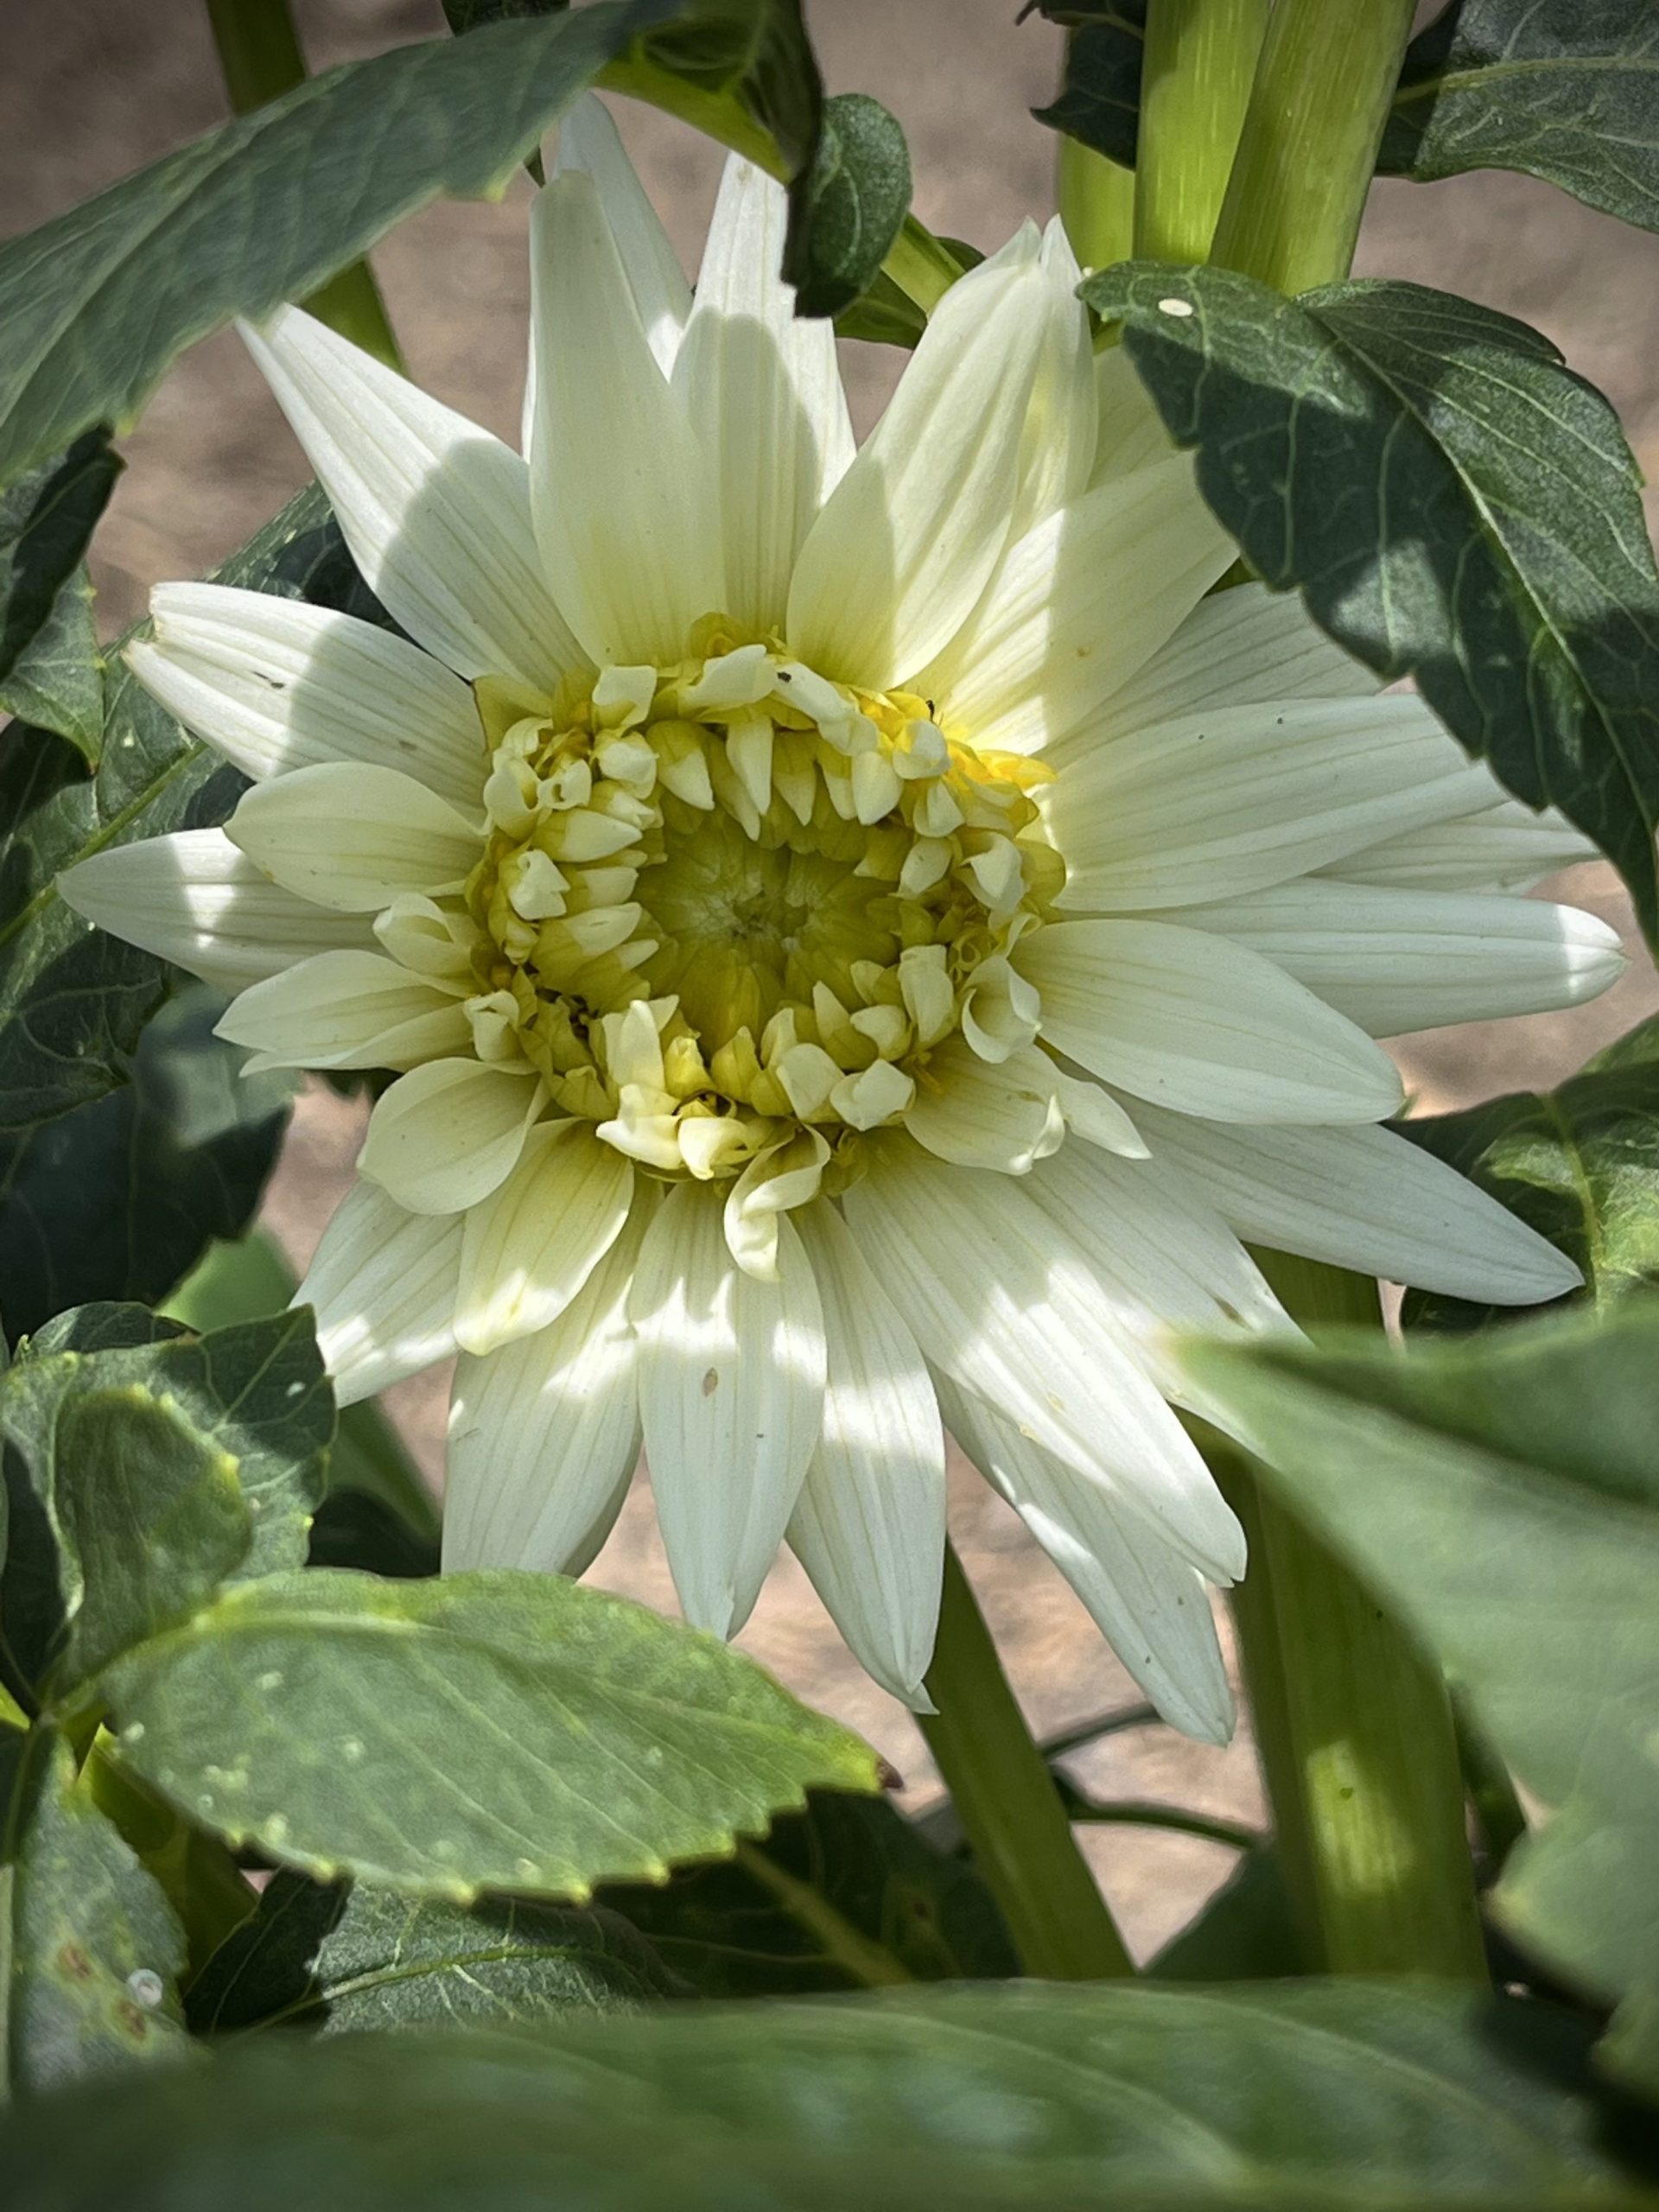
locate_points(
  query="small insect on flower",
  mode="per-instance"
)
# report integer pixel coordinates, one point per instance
(861, 939)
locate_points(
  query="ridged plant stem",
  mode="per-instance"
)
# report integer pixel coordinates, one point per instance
(1096, 200)
(1195, 87)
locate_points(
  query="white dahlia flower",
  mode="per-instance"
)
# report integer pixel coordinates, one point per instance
(862, 938)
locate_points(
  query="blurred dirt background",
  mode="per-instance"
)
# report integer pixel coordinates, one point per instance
(99, 87)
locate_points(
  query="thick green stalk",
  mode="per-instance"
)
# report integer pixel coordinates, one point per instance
(260, 54)
(1008, 1805)
(1308, 147)
(1195, 87)
(1096, 200)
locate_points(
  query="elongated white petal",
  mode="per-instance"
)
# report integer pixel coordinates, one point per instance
(763, 389)
(731, 1393)
(869, 1524)
(448, 1133)
(354, 838)
(532, 1243)
(1147, 1602)
(1503, 847)
(383, 1282)
(909, 537)
(1198, 1023)
(1363, 1198)
(1075, 607)
(197, 899)
(1094, 1115)
(1058, 452)
(588, 142)
(435, 510)
(1003, 1301)
(1001, 1115)
(1226, 802)
(621, 489)
(346, 1010)
(1128, 430)
(275, 684)
(544, 1434)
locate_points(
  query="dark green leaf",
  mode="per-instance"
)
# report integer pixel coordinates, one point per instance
(486, 1731)
(355, 1528)
(46, 516)
(1453, 504)
(1501, 1494)
(754, 52)
(1246, 1933)
(844, 1895)
(1316, 2095)
(1563, 89)
(472, 15)
(95, 1951)
(1579, 1164)
(1099, 99)
(56, 682)
(848, 208)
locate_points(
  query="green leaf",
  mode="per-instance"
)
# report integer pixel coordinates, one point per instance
(1099, 99)
(751, 54)
(1453, 504)
(47, 518)
(472, 15)
(1314, 2096)
(56, 682)
(1581, 1164)
(95, 1950)
(334, 1960)
(848, 208)
(846, 1895)
(1502, 1495)
(1564, 89)
(486, 1731)
(1247, 1932)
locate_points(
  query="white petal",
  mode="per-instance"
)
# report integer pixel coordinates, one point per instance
(908, 539)
(1397, 960)
(544, 1434)
(435, 510)
(383, 1283)
(869, 1523)
(1226, 802)
(1058, 454)
(1363, 1198)
(731, 1392)
(1076, 606)
(193, 898)
(275, 684)
(1503, 847)
(447, 1133)
(1129, 432)
(346, 1010)
(530, 1246)
(1001, 1115)
(588, 142)
(1195, 1022)
(1147, 1602)
(763, 389)
(621, 489)
(354, 838)
(1005, 1303)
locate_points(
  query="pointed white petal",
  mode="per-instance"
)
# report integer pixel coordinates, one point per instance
(731, 1393)
(353, 837)
(1058, 452)
(532, 1245)
(1198, 1023)
(195, 899)
(869, 1523)
(588, 142)
(435, 510)
(1094, 1115)
(448, 1133)
(544, 1434)
(909, 537)
(763, 389)
(346, 1010)
(1364, 1198)
(1076, 606)
(1001, 1115)
(1503, 847)
(1004, 1302)
(383, 1283)
(1129, 432)
(1147, 1602)
(275, 684)
(1226, 802)
(621, 489)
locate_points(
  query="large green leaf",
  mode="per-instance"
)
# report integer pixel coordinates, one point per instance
(1580, 1164)
(335, 1960)
(47, 518)
(56, 684)
(1501, 1494)
(1316, 2095)
(847, 1895)
(1099, 98)
(1563, 89)
(486, 1731)
(1453, 504)
(851, 206)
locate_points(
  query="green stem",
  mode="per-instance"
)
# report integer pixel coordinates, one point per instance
(1308, 148)
(1010, 1810)
(1195, 87)
(923, 267)
(260, 54)
(1497, 1807)
(1096, 204)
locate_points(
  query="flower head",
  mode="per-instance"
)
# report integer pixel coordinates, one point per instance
(859, 938)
